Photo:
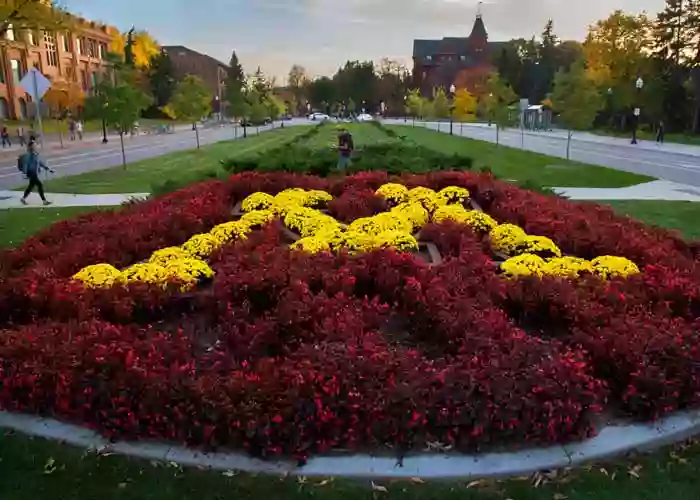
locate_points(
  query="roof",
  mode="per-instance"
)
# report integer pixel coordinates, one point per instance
(479, 29)
(175, 48)
(455, 45)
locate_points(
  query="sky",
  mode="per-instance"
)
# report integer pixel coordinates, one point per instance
(322, 34)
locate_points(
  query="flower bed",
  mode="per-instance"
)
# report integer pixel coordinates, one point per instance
(286, 351)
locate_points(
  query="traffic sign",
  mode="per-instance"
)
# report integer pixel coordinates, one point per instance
(35, 83)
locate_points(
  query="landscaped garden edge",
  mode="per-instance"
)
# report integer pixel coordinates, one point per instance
(611, 441)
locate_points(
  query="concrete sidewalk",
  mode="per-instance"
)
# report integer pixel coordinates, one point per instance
(655, 190)
(11, 199)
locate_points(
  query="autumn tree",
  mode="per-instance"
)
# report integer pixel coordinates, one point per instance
(464, 106)
(64, 99)
(297, 81)
(495, 102)
(191, 102)
(576, 99)
(145, 47)
(440, 104)
(32, 15)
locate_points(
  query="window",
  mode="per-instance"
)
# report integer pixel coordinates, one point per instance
(51, 52)
(81, 46)
(93, 80)
(67, 42)
(31, 39)
(83, 79)
(91, 48)
(103, 50)
(16, 66)
(9, 34)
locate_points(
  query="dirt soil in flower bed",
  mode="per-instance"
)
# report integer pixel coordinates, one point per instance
(286, 353)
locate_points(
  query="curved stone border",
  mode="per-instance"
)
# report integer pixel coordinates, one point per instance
(612, 440)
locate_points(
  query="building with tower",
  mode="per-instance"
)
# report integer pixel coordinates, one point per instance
(464, 62)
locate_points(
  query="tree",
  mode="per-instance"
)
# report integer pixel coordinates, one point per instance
(495, 101)
(464, 105)
(414, 103)
(440, 104)
(32, 15)
(297, 82)
(260, 83)
(673, 37)
(357, 81)
(119, 103)
(320, 91)
(145, 47)
(576, 99)
(191, 102)
(64, 99)
(235, 87)
(161, 76)
(276, 106)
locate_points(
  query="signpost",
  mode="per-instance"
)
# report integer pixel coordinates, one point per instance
(36, 85)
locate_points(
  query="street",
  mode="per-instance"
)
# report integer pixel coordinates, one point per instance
(96, 156)
(673, 162)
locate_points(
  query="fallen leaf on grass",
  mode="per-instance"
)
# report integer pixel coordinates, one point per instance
(121, 486)
(325, 482)
(476, 484)
(634, 471)
(301, 479)
(604, 471)
(560, 496)
(230, 473)
(678, 458)
(50, 466)
(417, 480)
(377, 487)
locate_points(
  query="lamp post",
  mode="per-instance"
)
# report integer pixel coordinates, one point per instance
(637, 111)
(453, 89)
(405, 111)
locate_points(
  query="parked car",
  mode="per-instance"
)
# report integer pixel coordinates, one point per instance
(319, 117)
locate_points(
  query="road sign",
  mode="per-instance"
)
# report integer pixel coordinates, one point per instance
(35, 83)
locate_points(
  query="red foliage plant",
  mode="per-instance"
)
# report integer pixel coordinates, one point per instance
(286, 353)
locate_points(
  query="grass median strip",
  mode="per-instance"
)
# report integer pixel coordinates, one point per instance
(140, 176)
(516, 164)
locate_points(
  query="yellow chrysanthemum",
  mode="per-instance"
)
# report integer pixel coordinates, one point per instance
(165, 255)
(312, 245)
(523, 265)
(201, 245)
(454, 213)
(257, 201)
(257, 218)
(189, 271)
(506, 237)
(399, 240)
(567, 267)
(145, 273)
(479, 221)
(608, 266)
(357, 242)
(416, 214)
(288, 199)
(229, 231)
(316, 198)
(98, 275)
(308, 221)
(394, 193)
(426, 197)
(333, 234)
(454, 194)
(540, 245)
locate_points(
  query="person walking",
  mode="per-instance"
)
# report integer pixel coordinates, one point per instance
(346, 146)
(660, 131)
(21, 137)
(31, 165)
(71, 129)
(79, 129)
(5, 135)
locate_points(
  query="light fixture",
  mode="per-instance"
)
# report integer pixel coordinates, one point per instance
(453, 89)
(640, 83)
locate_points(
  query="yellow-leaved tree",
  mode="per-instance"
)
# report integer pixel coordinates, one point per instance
(145, 47)
(464, 106)
(32, 15)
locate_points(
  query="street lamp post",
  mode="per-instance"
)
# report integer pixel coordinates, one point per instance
(637, 111)
(453, 89)
(405, 111)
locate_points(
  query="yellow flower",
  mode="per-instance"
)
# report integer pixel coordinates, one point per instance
(523, 265)
(257, 218)
(379, 223)
(98, 275)
(308, 221)
(395, 193)
(399, 240)
(455, 213)
(333, 234)
(479, 221)
(165, 255)
(415, 213)
(357, 242)
(189, 271)
(229, 231)
(567, 267)
(145, 273)
(454, 194)
(256, 201)
(506, 237)
(315, 198)
(426, 197)
(608, 266)
(540, 245)
(288, 199)
(201, 245)
(312, 245)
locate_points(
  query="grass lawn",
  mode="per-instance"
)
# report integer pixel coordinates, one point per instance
(511, 163)
(138, 177)
(363, 135)
(678, 138)
(33, 468)
(53, 127)
(680, 215)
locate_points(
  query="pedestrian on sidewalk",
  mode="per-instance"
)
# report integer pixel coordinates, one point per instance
(660, 132)
(21, 137)
(71, 129)
(31, 165)
(5, 135)
(79, 129)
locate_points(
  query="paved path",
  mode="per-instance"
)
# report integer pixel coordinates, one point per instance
(96, 156)
(11, 199)
(656, 190)
(673, 162)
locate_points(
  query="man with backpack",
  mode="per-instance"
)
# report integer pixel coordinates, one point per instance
(345, 147)
(30, 165)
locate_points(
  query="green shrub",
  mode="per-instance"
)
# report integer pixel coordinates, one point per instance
(172, 185)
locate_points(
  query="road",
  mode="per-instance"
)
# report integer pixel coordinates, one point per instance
(673, 162)
(96, 156)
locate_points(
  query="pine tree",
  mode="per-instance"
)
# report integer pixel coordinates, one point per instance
(673, 35)
(235, 86)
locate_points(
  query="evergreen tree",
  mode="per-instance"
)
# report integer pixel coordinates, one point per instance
(235, 87)
(673, 31)
(161, 77)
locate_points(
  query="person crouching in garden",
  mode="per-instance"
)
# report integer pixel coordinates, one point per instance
(31, 166)
(345, 148)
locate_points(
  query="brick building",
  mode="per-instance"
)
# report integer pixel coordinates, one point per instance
(77, 56)
(464, 62)
(190, 62)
